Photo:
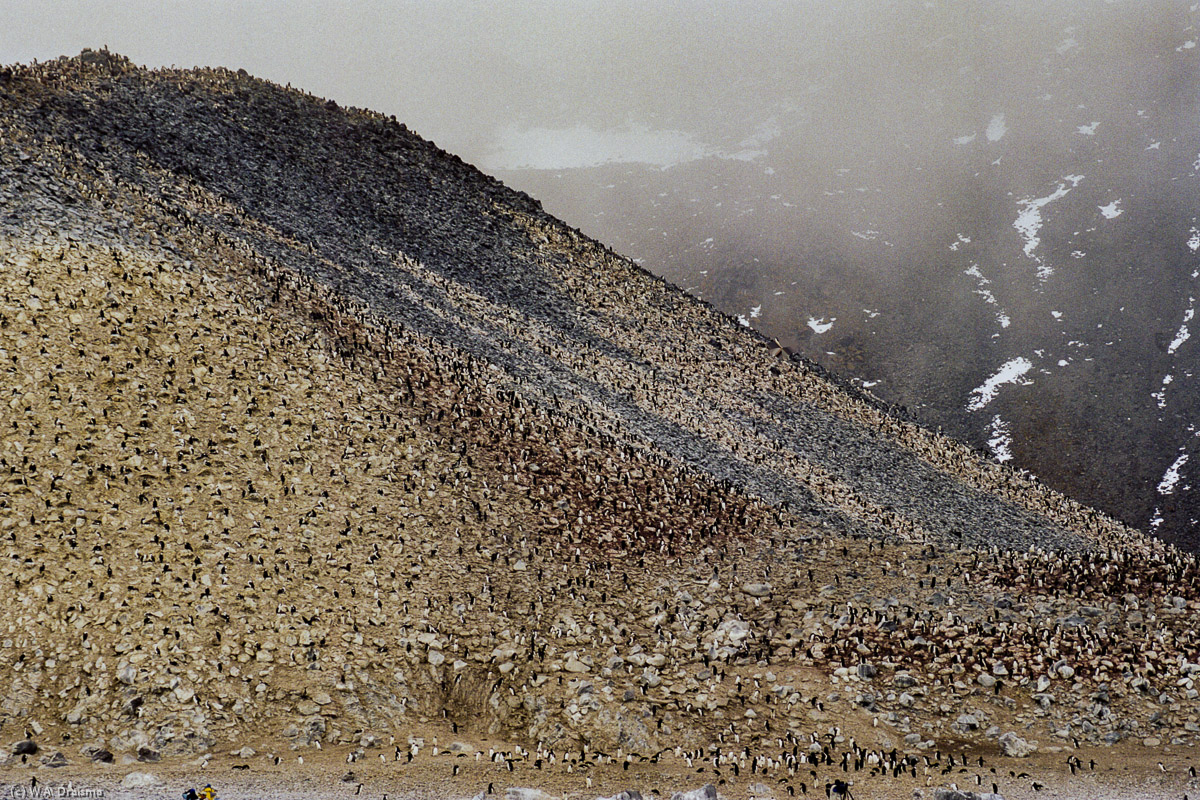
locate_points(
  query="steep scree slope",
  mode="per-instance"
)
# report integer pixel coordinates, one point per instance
(312, 432)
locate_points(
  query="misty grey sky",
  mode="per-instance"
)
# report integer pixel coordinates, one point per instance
(460, 72)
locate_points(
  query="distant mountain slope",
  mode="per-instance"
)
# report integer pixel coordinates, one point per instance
(937, 196)
(314, 432)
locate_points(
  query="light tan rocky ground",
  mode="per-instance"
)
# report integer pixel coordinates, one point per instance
(240, 510)
(1121, 774)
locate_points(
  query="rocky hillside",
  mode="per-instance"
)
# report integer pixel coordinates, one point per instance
(315, 434)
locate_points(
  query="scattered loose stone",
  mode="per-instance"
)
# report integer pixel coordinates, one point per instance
(138, 780)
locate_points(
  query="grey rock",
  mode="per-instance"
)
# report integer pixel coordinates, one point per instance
(1016, 747)
(138, 780)
(867, 671)
(520, 793)
(130, 709)
(959, 794)
(757, 589)
(626, 794)
(986, 681)
(966, 722)
(148, 755)
(706, 792)
(25, 747)
(56, 760)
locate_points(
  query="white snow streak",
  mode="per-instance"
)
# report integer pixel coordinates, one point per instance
(1183, 335)
(1001, 439)
(986, 293)
(1010, 372)
(1171, 476)
(1112, 210)
(1160, 397)
(1193, 241)
(821, 325)
(1029, 221)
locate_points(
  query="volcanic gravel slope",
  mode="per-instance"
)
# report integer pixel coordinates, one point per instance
(313, 433)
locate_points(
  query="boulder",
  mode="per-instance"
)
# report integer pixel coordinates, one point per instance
(959, 794)
(706, 792)
(520, 793)
(966, 723)
(1014, 746)
(138, 780)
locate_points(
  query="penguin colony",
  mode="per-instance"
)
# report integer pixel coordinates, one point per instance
(264, 481)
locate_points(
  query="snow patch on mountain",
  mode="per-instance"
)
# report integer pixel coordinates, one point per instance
(1171, 476)
(1010, 372)
(982, 283)
(1000, 439)
(1087, 130)
(996, 128)
(1193, 241)
(583, 147)
(1029, 221)
(1112, 210)
(1182, 335)
(1160, 397)
(821, 325)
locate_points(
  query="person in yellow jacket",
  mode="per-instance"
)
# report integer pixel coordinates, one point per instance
(208, 793)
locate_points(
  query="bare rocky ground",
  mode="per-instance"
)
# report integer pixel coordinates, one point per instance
(319, 445)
